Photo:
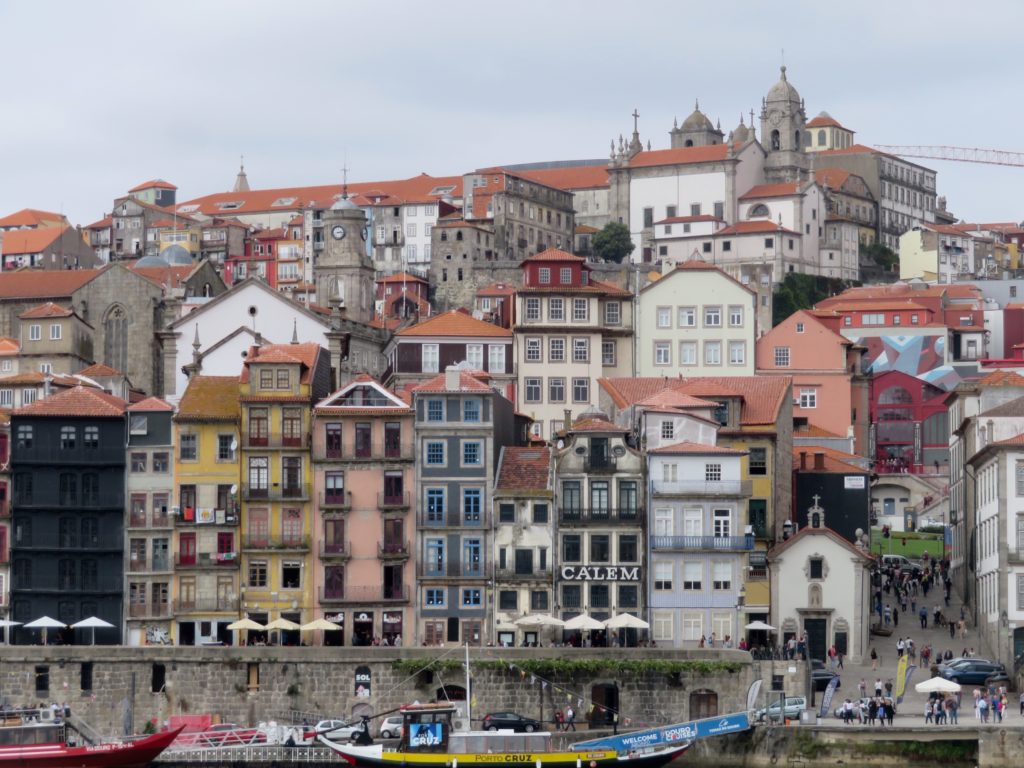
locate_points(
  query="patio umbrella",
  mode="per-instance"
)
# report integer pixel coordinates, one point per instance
(626, 621)
(282, 623)
(937, 685)
(760, 625)
(243, 624)
(324, 624)
(538, 620)
(583, 621)
(44, 623)
(92, 623)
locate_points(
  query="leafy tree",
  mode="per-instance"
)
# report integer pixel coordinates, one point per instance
(883, 256)
(613, 243)
(799, 291)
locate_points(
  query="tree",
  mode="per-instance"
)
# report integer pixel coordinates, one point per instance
(799, 291)
(884, 257)
(613, 243)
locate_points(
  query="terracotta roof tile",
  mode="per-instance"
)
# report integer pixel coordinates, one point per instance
(105, 223)
(699, 266)
(673, 398)
(77, 401)
(524, 470)
(553, 254)
(401, 277)
(755, 227)
(31, 217)
(699, 449)
(99, 369)
(9, 346)
(569, 178)
(209, 398)
(34, 378)
(497, 289)
(30, 241)
(32, 284)
(833, 178)
(713, 153)
(1001, 379)
(49, 309)
(455, 323)
(778, 549)
(835, 461)
(468, 382)
(595, 424)
(1015, 440)
(825, 121)
(151, 405)
(152, 184)
(785, 189)
(813, 430)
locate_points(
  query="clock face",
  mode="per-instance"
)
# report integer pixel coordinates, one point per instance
(774, 117)
(338, 232)
(365, 233)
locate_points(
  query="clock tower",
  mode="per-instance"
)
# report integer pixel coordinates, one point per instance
(342, 271)
(783, 133)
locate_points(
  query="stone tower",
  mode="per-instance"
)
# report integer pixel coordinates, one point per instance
(696, 131)
(343, 271)
(783, 132)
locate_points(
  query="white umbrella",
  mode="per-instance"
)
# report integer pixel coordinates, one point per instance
(92, 623)
(937, 685)
(246, 624)
(323, 624)
(760, 625)
(282, 623)
(44, 623)
(538, 620)
(583, 621)
(626, 621)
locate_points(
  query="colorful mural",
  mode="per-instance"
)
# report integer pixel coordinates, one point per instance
(920, 356)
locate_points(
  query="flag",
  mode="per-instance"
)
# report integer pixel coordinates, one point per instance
(905, 682)
(901, 676)
(752, 694)
(826, 698)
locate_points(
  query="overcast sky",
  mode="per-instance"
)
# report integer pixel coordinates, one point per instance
(98, 96)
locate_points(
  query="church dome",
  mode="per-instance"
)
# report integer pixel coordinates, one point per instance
(176, 256)
(697, 121)
(742, 133)
(344, 204)
(152, 261)
(782, 90)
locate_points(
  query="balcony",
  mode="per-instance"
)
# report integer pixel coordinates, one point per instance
(335, 501)
(190, 517)
(265, 543)
(453, 518)
(206, 604)
(716, 543)
(596, 516)
(701, 488)
(453, 568)
(392, 550)
(511, 574)
(335, 550)
(274, 440)
(600, 463)
(393, 500)
(276, 492)
(146, 611)
(369, 593)
(206, 560)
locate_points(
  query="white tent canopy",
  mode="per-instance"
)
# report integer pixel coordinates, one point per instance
(324, 624)
(92, 623)
(760, 625)
(626, 621)
(937, 685)
(45, 622)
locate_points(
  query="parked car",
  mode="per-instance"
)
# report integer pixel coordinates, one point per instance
(821, 675)
(973, 672)
(390, 727)
(510, 721)
(791, 709)
(336, 730)
(959, 661)
(901, 562)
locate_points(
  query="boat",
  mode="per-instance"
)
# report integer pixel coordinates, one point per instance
(430, 741)
(28, 739)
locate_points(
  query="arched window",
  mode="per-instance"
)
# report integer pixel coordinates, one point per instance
(207, 290)
(689, 143)
(758, 210)
(821, 137)
(775, 140)
(458, 235)
(796, 139)
(115, 338)
(895, 396)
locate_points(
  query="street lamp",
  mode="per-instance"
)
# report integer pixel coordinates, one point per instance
(741, 599)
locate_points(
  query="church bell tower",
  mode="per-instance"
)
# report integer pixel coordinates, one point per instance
(784, 133)
(343, 271)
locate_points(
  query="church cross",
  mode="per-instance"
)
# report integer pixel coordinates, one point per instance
(636, 117)
(816, 497)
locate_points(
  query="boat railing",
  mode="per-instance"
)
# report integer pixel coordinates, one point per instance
(238, 737)
(264, 755)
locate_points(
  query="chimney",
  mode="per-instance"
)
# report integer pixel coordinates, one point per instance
(803, 460)
(567, 425)
(819, 460)
(47, 386)
(451, 378)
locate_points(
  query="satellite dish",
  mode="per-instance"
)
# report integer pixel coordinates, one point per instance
(234, 446)
(234, 489)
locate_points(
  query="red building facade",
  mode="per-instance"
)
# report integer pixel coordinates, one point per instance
(909, 425)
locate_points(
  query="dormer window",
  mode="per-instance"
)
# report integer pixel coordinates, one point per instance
(283, 378)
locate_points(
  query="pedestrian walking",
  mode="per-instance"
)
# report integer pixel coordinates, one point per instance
(896, 616)
(900, 646)
(874, 666)
(862, 690)
(923, 614)
(570, 718)
(878, 687)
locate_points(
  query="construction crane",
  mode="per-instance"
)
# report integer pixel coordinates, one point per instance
(958, 154)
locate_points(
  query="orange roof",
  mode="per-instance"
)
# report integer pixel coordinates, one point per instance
(585, 229)
(304, 354)
(762, 396)
(152, 184)
(755, 227)
(169, 276)
(712, 153)
(30, 241)
(595, 424)
(36, 377)
(1015, 440)
(825, 121)
(813, 430)
(688, 219)
(209, 398)
(785, 189)
(497, 289)
(99, 369)
(9, 346)
(524, 470)
(49, 309)
(778, 549)
(401, 277)
(673, 398)
(32, 284)
(855, 149)
(468, 382)
(104, 223)
(31, 217)
(454, 323)
(151, 405)
(698, 448)
(569, 178)
(700, 266)
(554, 254)
(1001, 379)
(77, 401)
(833, 178)
(835, 461)
(874, 306)
(946, 229)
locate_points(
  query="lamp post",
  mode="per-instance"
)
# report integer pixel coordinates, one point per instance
(741, 600)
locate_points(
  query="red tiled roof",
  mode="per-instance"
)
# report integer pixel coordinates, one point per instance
(553, 254)
(1015, 440)
(169, 276)
(762, 396)
(468, 382)
(32, 284)
(152, 184)
(585, 229)
(77, 401)
(524, 470)
(698, 266)
(35, 377)
(712, 153)
(778, 549)
(569, 178)
(835, 461)
(875, 306)
(105, 223)
(785, 189)
(99, 369)
(698, 448)
(49, 309)
(304, 354)
(30, 241)
(151, 405)
(855, 149)
(813, 430)
(673, 398)
(497, 289)
(755, 227)
(595, 424)
(9, 346)
(833, 178)
(209, 398)
(31, 217)
(401, 277)
(1001, 379)
(455, 323)
(688, 219)
(825, 121)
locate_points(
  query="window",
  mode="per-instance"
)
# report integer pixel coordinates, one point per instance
(612, 313)
(435, 505)
(565, 275)
(782, 357)
(580, 350)
(758, 461)
(471, 598)
(580, 310)
(544, 275)
(556, 389)
(648, 218)
(188, 447)
(571, 548)
(508, 600)
(225, 447)
(533, 350)
(430, 358)
(556, 309)
(737, 353)
(600, 549)
(817, 568)
(799, 327)
(662, 353)
(808, 398)
(712, 473)
(6, 396)
(139, 462)
(472, 453)
(581, 390)
(735, 316)
(540, 515)
(435, 453)
(471, 410)
(506, 513)
(532, 310)
(35, 332)
(471, 557)
(471, 504)
(435, 557)
(161, 461)
(496, 358)
(67, 437)
(556, 350)
(668, 430)
(532, 385)
(283, 378)
(663, 576)
(712, 353)
(435, 411)
(913, 320)
(475, 356)
(434, 598)
(538, 600)
(769, 242)
(608, 352)
(687, 317)
(628, 550)
(664, 317)
(722, 520)
(257, 573)
(712, 317)
(663, 626)
(721, 575)
(688, 353)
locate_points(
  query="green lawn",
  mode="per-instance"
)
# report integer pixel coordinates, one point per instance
(911, 544)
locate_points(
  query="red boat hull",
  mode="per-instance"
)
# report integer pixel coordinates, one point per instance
(130, 754)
